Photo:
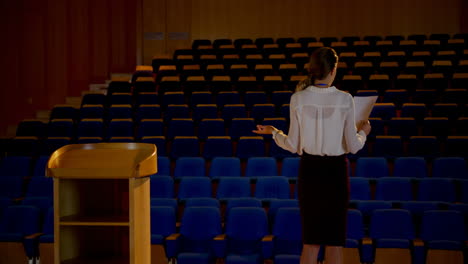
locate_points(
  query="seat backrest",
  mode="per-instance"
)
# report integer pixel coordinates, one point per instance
(190, 166)
(163, 220)
(372, 167)
(287, 230)
(443, 225)
(272, 187)
(453, 167)
(436, 189)
(394, 188)
(245, 228)
(359, 188)
(233, 187)
(261, 166)
(290, 167)
(20, 219)
(192, 187)
(199, 226)
(411, 167)
(391, 223)
(162, 186)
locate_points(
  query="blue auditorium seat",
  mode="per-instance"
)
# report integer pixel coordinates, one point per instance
(185, 147)
(147, 98)
(417, 111)
(245, 229)
(384, 111)
(367, 208)
(159, 141)
(64, 112)
(275, 187)
(42, 203)
(388, 147)
(174, 98)
(451, 167)
(436, 189)
(15, 166)
(201, 98)
(193, 187)
(203, 111)
(163, 165)
(251, 98)
(248, 147)
(161, 186)
(287, 232)
(225, 167)
(199, 227)
(183, 127)
(394, 189)
(410, 167)
(276, 205)
(31, 128)
(176, 111)
(359, 188)
(424, 146)
(91, 111)
(164, 202)
(242, 202)
(354, 234)
(18, 222)
(150, 128)
(262, 111)
(402, 126)
(261, 166)
(120, 128)
(119, 112)
(163, 224)
(392, 228)
(397, 97)
(120, 98)
(217, 147)
(233, 187)
(61, 128)
(147, 111)
(211, 127)
(444, 234)
(91, 128)
(231, 111)
(436, 126)
(278, 98)
(372, 167)
(451, 111)
(241, 127)
(89, 140)
(456, 146)
(40, 187)
(227, 98)
(94, 99)
(190, 167)
(202, 202)
(290, 167)
(11, 186)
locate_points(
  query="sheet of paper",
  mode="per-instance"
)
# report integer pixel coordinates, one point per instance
(363, 106)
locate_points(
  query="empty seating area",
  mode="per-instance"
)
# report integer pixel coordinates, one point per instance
(218, 181)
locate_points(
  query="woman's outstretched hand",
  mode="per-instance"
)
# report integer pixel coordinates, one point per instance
(264, 130)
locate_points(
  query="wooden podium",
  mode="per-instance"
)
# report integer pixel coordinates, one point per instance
(102, 202)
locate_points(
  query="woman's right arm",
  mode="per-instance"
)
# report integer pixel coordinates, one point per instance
(354, 140)
(289, 142)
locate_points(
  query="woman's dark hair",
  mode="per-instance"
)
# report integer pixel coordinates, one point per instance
(322, 61)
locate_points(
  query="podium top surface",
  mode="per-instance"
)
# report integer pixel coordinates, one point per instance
(103, 161)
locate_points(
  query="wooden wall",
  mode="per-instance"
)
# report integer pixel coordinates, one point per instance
(56, 48)
(211, 19)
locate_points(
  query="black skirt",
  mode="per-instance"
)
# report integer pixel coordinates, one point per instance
(323, 192)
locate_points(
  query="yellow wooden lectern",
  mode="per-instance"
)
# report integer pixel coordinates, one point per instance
(102, 202)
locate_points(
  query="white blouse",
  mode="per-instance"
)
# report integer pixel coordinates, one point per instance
(321, 123)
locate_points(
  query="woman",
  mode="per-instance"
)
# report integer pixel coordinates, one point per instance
(322, 130)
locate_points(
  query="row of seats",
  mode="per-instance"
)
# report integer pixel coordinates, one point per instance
(249, 234)
(371, 167)
(277, 98)
(245, 147)
(349, 40)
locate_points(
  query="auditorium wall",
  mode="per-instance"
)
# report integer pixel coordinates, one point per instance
(55, 48)
(211, 19)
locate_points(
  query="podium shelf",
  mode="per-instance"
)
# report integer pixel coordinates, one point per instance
(109, 220)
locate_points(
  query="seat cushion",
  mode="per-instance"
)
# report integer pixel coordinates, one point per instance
(194, 258)
(11, 237)
(444, 244)
(243, 259)
(287, 259)
(393, 243)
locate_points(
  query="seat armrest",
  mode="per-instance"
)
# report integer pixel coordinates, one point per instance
(172, 245)
(267, 246)
(219, 245)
